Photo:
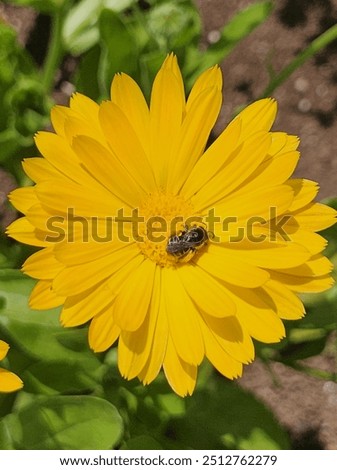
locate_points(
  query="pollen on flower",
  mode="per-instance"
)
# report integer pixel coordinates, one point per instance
(164, 215)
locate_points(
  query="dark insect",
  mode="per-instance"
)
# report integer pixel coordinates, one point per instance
(187, 242)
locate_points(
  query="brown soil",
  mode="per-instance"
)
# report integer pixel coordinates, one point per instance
(306, 406)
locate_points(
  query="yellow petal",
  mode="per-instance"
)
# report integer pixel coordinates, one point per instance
(107, 169)
(314, 217)
(274, 170)
(257, 317)
(214, 159)
(258, 116)
(133, 301)
(166, 115)
(193, 135)
(103, 331)
(226, 266)
(264, 204)
(205, 291)
(62, 198)
(58, 153)
(43, 297)
(220, 359)
(58, 116)
(312, 242)
(23, 231)
(118, 278)
(125, 145)
(45, 220)
(180, 375)
(83, 119)
(212, 77)
(42, 264)
(72, 254)
(171, 63)
(9, 382)
(274, 257)
(134, 348)
(288, 306)
(23, 198)
(73, 280)
(232, 337)
(244, 160)
(317, 265)
(278, 143)
(301, 283)
(75, 126)
(182, 319)
(38, 169)
(158, 349)
(78, 309)
(126, 94)
(4, 347)
(304, 192)
(292, 143)
(85, 107)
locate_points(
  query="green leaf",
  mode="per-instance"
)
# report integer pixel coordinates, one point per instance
(86, 76)
(149, 66)
(120, 50)
(302, 350)
(142, 443)
(228, 417)
(29, 105)
(15, 63)
(7, 401)
(48, 357)
(80, 29)
(9, 144)
(24, 106)
(64, 423)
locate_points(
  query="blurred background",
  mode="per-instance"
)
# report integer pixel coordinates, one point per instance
(286, 49)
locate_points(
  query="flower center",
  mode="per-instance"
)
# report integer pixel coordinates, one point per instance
(164, 217)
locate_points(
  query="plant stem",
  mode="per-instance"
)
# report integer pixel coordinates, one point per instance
(312, 371)
(54, 54)
(319, 43)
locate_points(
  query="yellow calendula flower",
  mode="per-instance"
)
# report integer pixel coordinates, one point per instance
(177, 252)
(9, 382)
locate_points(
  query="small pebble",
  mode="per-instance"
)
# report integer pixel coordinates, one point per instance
(304, 105)
(213, 36)
(67, 88)
(330, 389)
(322, 90)
(301, 84)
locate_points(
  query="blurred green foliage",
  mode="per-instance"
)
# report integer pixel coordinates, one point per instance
(74, 399)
